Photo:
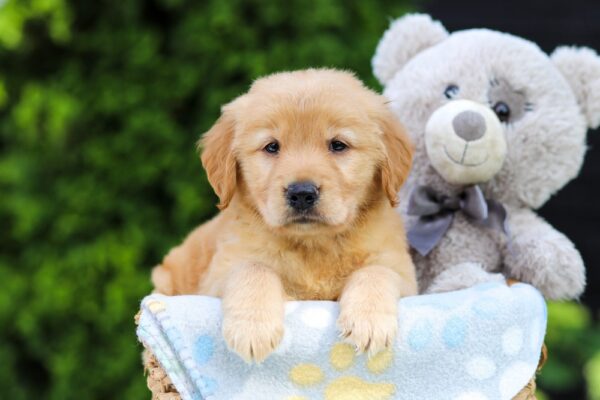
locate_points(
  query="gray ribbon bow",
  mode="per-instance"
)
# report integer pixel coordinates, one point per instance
(436, 212)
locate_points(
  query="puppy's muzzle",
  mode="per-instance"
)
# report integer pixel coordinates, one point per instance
(302, 196)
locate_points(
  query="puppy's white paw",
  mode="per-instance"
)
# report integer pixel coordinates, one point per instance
(254, 334)
(368, 329)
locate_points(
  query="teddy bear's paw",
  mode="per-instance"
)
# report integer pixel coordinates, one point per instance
(367, 329)
(551, 264)
(253, 335)
(462, 276)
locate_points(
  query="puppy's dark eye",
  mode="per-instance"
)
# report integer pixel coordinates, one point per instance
(451, 91)
(336, 146)
(502, 110)
(272, 148)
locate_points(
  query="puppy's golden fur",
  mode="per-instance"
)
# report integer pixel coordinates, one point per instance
(258, 252)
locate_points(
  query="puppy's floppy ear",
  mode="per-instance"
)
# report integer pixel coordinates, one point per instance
(398, 151)
(218, 158)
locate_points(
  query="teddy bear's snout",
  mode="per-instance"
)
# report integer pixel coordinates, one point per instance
(465, 142)
(469, 125)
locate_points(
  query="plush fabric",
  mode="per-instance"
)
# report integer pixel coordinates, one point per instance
(479, 343)
(552, 100)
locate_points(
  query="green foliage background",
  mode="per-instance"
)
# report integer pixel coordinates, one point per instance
(100, 106)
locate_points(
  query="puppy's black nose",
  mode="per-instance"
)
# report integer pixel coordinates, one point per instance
(302, 196)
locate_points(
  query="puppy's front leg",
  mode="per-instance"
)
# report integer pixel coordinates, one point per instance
(253, 311)
(368, 307)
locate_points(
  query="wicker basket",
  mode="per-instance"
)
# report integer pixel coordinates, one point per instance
(163, 389)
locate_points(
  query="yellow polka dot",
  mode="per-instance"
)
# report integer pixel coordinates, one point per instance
(306, 374)
(380, 361)
(156, 306)
(353, 388)
(341, 356)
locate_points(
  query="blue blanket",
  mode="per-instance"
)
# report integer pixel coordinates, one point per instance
(474, 344)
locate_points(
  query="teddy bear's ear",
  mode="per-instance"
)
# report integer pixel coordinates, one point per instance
(581, 67)
(405, 37)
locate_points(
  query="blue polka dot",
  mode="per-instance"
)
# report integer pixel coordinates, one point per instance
(420, 335)
(203, 349)
(487, 307)
(209, 386)
(454, 332)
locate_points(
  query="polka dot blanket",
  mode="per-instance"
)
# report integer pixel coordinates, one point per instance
(479, 343)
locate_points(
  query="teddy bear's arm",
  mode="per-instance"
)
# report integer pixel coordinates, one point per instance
(539, 254)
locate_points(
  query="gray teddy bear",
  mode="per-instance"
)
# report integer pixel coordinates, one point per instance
(498, 127)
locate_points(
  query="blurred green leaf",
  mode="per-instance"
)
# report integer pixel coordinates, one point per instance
(592, 376)
(572, 338)
(14, 14)
(541, 395)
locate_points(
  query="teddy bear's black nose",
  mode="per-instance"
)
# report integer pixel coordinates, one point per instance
(302, 196)
(469, 125)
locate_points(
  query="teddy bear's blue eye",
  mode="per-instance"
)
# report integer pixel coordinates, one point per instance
(502, 110)
(451, 91)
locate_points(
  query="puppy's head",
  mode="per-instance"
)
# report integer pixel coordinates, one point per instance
(309, 150)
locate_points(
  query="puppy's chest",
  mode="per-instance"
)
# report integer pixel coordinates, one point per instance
(319, 275)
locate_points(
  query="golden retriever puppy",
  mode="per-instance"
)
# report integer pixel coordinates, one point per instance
(307, 165)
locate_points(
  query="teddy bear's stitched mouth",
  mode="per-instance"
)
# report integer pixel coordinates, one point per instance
(461, 162)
